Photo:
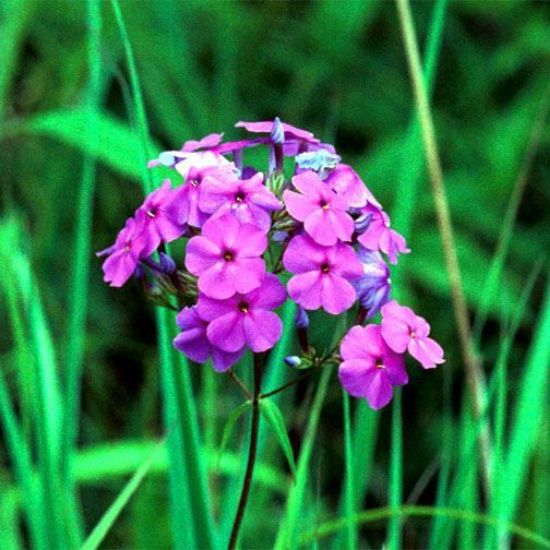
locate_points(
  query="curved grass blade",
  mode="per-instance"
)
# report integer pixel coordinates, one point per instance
(108, 519)
(369, 516)
(272, 413)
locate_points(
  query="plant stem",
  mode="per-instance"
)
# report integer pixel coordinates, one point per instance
(288, 384)
(241, 384)
(474, 374)
(258, 360)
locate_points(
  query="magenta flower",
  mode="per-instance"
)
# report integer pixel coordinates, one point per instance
(370, 368)
(158, 218)
(403, 330)
(379, 237)
(373, 287)
(249, 200)
(345, 181)
(193, 343)
(227, 257)
(245, 319)
(321, 209)
(124, 255)
(187, 204)
(322, 274)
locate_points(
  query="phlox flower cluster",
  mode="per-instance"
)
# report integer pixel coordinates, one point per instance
(305, 228)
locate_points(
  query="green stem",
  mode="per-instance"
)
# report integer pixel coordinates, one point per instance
(258, 359)
(474, 374)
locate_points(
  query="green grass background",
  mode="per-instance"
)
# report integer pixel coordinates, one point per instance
(109, 437)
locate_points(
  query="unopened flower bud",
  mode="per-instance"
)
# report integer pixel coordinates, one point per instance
(301, 320)
(277, 132)
(293, 361)
(167, 264)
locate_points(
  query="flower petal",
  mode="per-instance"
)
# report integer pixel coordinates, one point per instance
(337, 295)
(262, 329)
(305, 289)
(226, 332)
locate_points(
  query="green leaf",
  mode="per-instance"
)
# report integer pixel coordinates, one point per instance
(108, 519)
(230, 424)
(272, 413)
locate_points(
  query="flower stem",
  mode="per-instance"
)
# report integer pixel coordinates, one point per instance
(258, 363)
(474, 373)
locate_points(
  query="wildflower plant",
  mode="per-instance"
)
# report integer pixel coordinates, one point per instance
(304, 228)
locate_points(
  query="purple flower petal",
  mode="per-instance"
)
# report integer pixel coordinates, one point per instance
(337, 295)
(262, 330)
(227, 333)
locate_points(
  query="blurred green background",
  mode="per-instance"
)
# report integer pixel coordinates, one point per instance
(338, 69)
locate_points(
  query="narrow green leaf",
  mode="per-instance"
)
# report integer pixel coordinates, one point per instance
(230, 424)
(286, 536)
(276, 420)
(108, 519)
(377, 514)
(396, 471)
(117, 144)
(349, 481)
(528, 413)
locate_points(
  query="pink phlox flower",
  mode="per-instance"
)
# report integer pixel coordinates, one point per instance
(123, 257)
(245, 319)
(321, 209)
(403, 330)
(193, 342)
(249, 200)
(322, 274)
(227, 257)
(187, 205)
(345, 181)
(378, 235)
(158, 218)
(370, 368)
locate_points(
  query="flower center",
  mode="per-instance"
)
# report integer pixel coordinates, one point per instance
(243, 306)
(228, 256)
(240, 196)
(325, 268)
(412, 334)
(152, 213)
(324, 204)
(379, 364)
(194, 183)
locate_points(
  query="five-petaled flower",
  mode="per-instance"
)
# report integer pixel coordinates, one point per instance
(370, 368)
(403, 330)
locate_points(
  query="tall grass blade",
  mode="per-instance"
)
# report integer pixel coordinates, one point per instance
(528, 412)
(396, 472)
(287, 534)
(351, 531)
(192, 522)
(102, 528)
(78, 297)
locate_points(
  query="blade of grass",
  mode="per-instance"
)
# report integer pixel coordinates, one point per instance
(351, 531)
(474, 373)
(286, 536)
(78, 296)
(493, 281)
(396, 472)
(108, 519)
(528, 413)
(192, 521)
(377, 514)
